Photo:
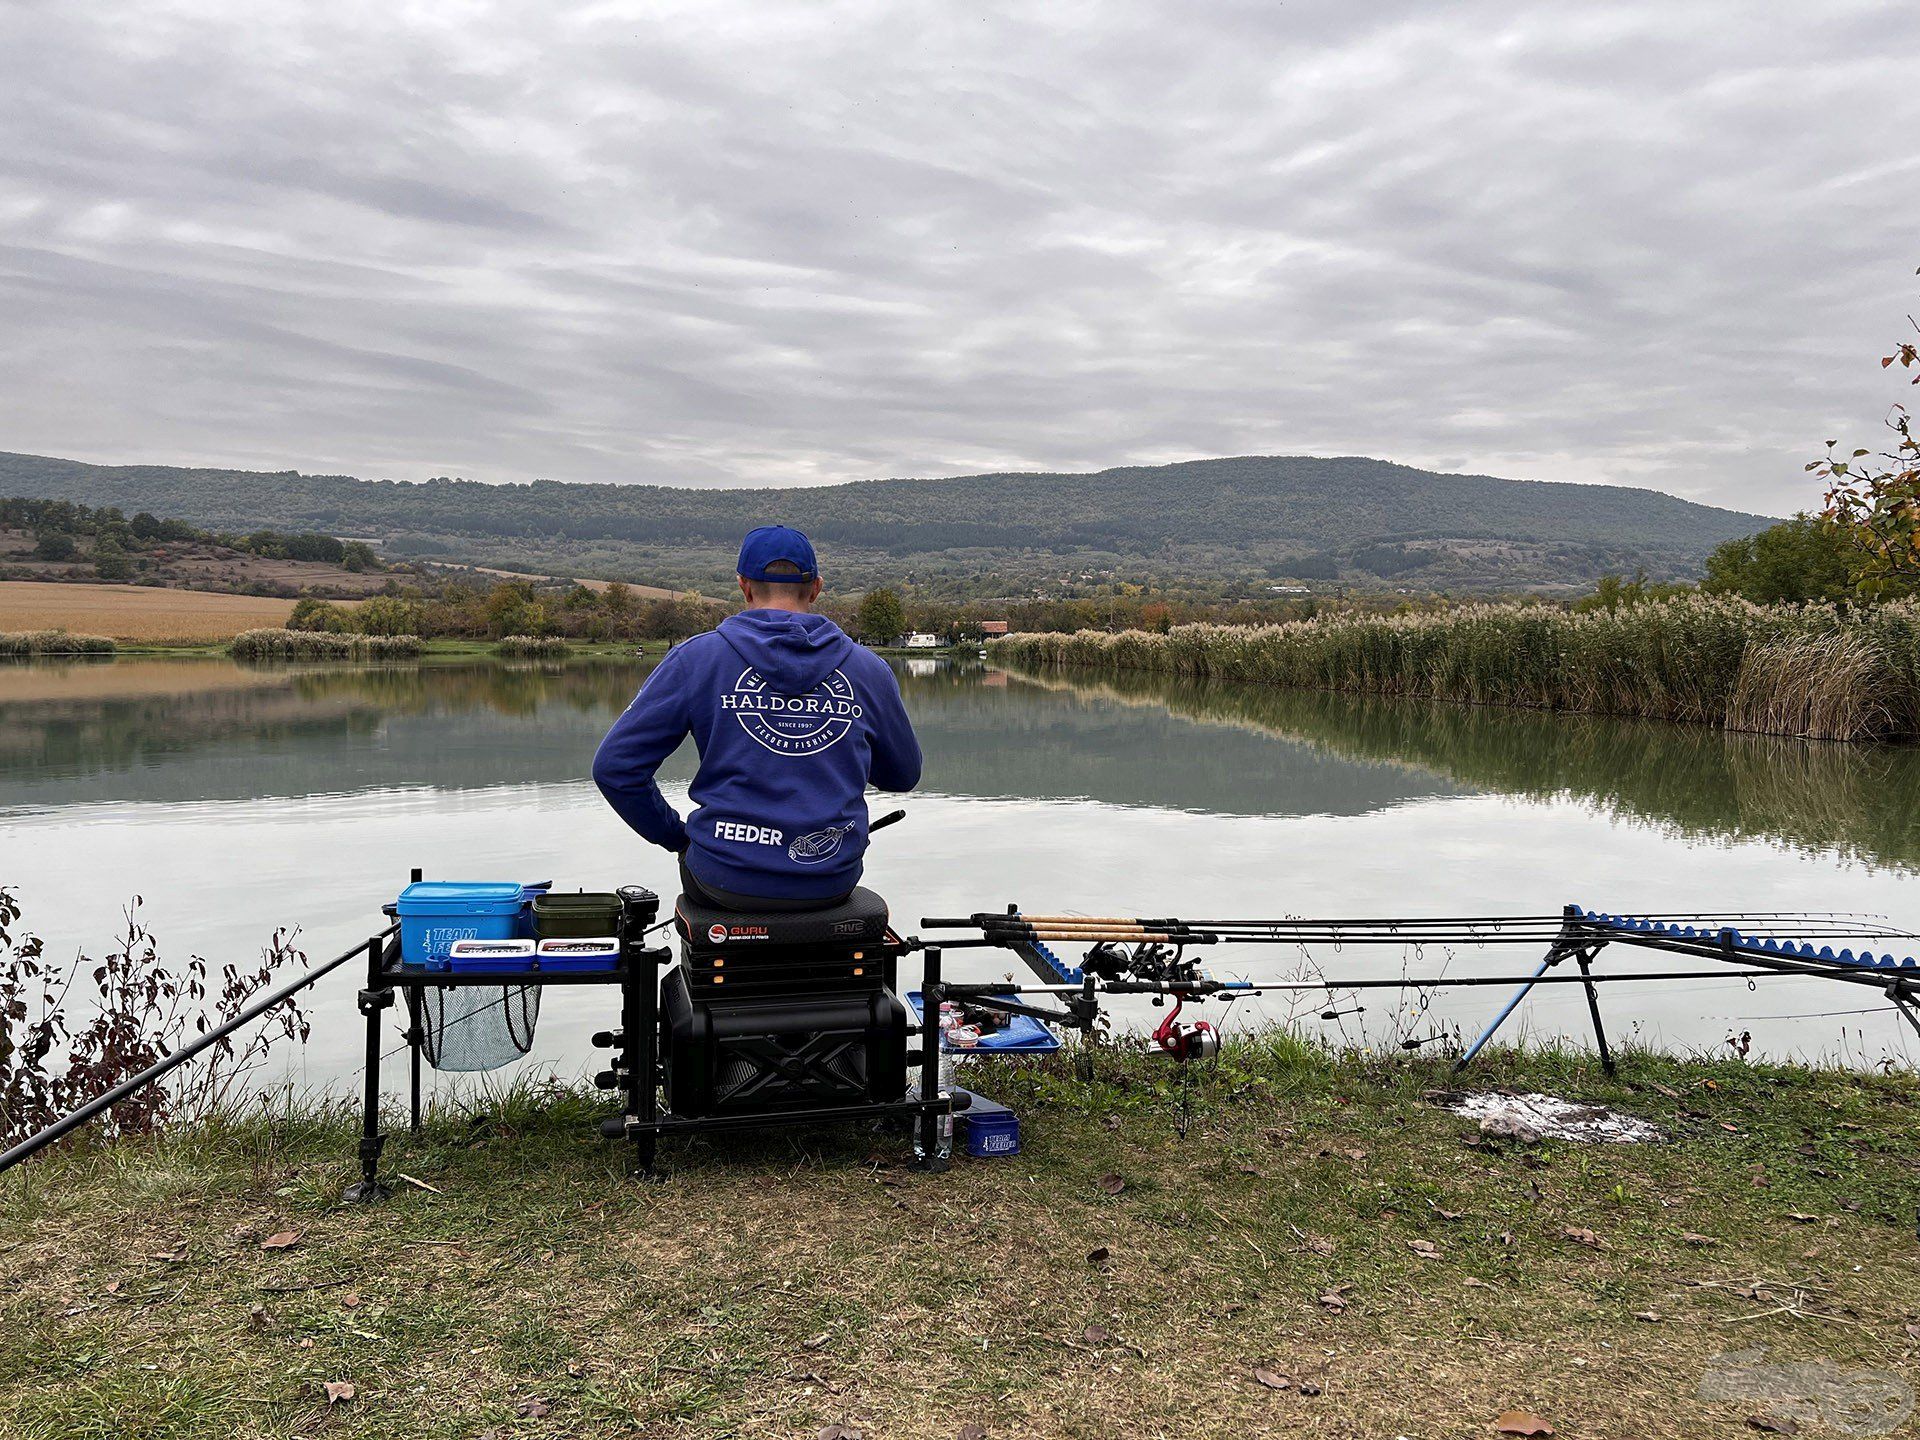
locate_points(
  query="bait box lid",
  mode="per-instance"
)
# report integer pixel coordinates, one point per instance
(592, 952)
(459, 897)
(504, 954)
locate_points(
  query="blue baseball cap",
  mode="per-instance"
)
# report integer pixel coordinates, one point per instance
(773, 543)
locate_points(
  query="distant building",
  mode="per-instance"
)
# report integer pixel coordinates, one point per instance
(993, 627)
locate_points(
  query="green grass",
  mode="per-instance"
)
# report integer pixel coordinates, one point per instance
(1810, 671)
(780, 1283)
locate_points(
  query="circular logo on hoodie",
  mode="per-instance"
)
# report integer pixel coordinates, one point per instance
(793, 724)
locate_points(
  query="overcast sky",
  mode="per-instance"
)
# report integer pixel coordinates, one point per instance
(1656, 243)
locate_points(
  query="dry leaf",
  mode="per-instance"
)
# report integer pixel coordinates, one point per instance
(1272, 1379)
(972, 1430)
(1521, 1422)
(1446, 1214)
(533, 1409)
(351, 1300)
(1646, 1317)
(575, 1369)
(284, 1240)
(1111, 1184)
(1474, 1282)
(1694, 1238)
(1799, 1219)
(1580, 1236)
(1425, 1249)
(340, 1391)
(1335, 1299)
(112, 1287)
(1096, 1336)
(1774, 1424)
(257, 1317)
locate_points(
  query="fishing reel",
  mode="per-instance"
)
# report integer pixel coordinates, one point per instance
(1186, 1042)
(1148, 964)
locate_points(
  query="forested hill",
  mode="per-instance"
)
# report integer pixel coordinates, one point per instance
(1256, 515)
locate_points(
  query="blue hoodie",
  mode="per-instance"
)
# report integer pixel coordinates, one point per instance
(792, 720)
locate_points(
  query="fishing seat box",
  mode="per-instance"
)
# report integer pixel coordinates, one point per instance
(775, 1010)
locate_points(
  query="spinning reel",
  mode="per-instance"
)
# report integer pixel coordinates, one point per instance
(1161, 970)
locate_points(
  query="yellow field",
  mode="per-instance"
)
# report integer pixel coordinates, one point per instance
(135, 613)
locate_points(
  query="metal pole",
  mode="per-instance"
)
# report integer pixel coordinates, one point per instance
(1585, 958)
(66, 1125)
(416, 1036)
(1553, 958)
(373, 999)
(933, 1155)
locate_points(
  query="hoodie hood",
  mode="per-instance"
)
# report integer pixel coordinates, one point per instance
(793, 652)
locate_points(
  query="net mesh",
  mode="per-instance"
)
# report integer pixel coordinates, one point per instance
(478, 1027)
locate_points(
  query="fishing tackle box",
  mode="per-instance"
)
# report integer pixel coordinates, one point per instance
(435, 913)
(579, 915)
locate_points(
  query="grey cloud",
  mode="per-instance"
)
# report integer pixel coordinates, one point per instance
(762, 243)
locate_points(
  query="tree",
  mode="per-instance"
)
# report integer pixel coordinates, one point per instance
(881, 617)
(387, 615)
(357, 555)
(55, 545)
(313, 613)
(1876, 498)
(1806, 558)
(146, 526)
(110, 563)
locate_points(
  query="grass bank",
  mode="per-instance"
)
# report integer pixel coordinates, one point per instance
(1809, 671)
(1385, 1268)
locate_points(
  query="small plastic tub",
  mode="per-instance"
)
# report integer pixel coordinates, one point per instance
(582, 915)
(468, 956)
(992, 1130)
(593, 952)
(434, 914)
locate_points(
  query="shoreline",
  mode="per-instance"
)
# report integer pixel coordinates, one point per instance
(1324, 1225)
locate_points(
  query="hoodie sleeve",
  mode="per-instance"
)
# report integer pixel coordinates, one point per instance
(896, 753)
(649, 730)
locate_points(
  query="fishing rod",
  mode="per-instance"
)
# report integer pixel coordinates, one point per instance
(100, 1104)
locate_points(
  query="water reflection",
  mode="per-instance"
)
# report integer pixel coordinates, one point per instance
(288, 733)
(188, 730)
(1860, 800)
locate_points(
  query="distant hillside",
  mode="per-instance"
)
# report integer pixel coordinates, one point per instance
(1239, 521)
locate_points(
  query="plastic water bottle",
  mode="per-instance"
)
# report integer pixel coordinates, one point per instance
(943, 1128)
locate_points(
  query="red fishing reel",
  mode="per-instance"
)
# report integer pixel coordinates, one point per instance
(1185, 1043)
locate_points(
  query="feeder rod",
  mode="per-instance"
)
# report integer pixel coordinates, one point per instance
(35, 1143)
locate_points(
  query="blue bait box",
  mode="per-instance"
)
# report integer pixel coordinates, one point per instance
(574, 953)
(435, 913)
(468, 956)
(992, 1130)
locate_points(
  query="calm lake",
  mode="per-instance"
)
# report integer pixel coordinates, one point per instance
(236, 799)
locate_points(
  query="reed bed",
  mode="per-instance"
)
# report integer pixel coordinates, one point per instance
(322, 645)
(533, 647)
(53, 642)
(1814, 671)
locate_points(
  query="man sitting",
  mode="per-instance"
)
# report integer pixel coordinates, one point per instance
(792, 720)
